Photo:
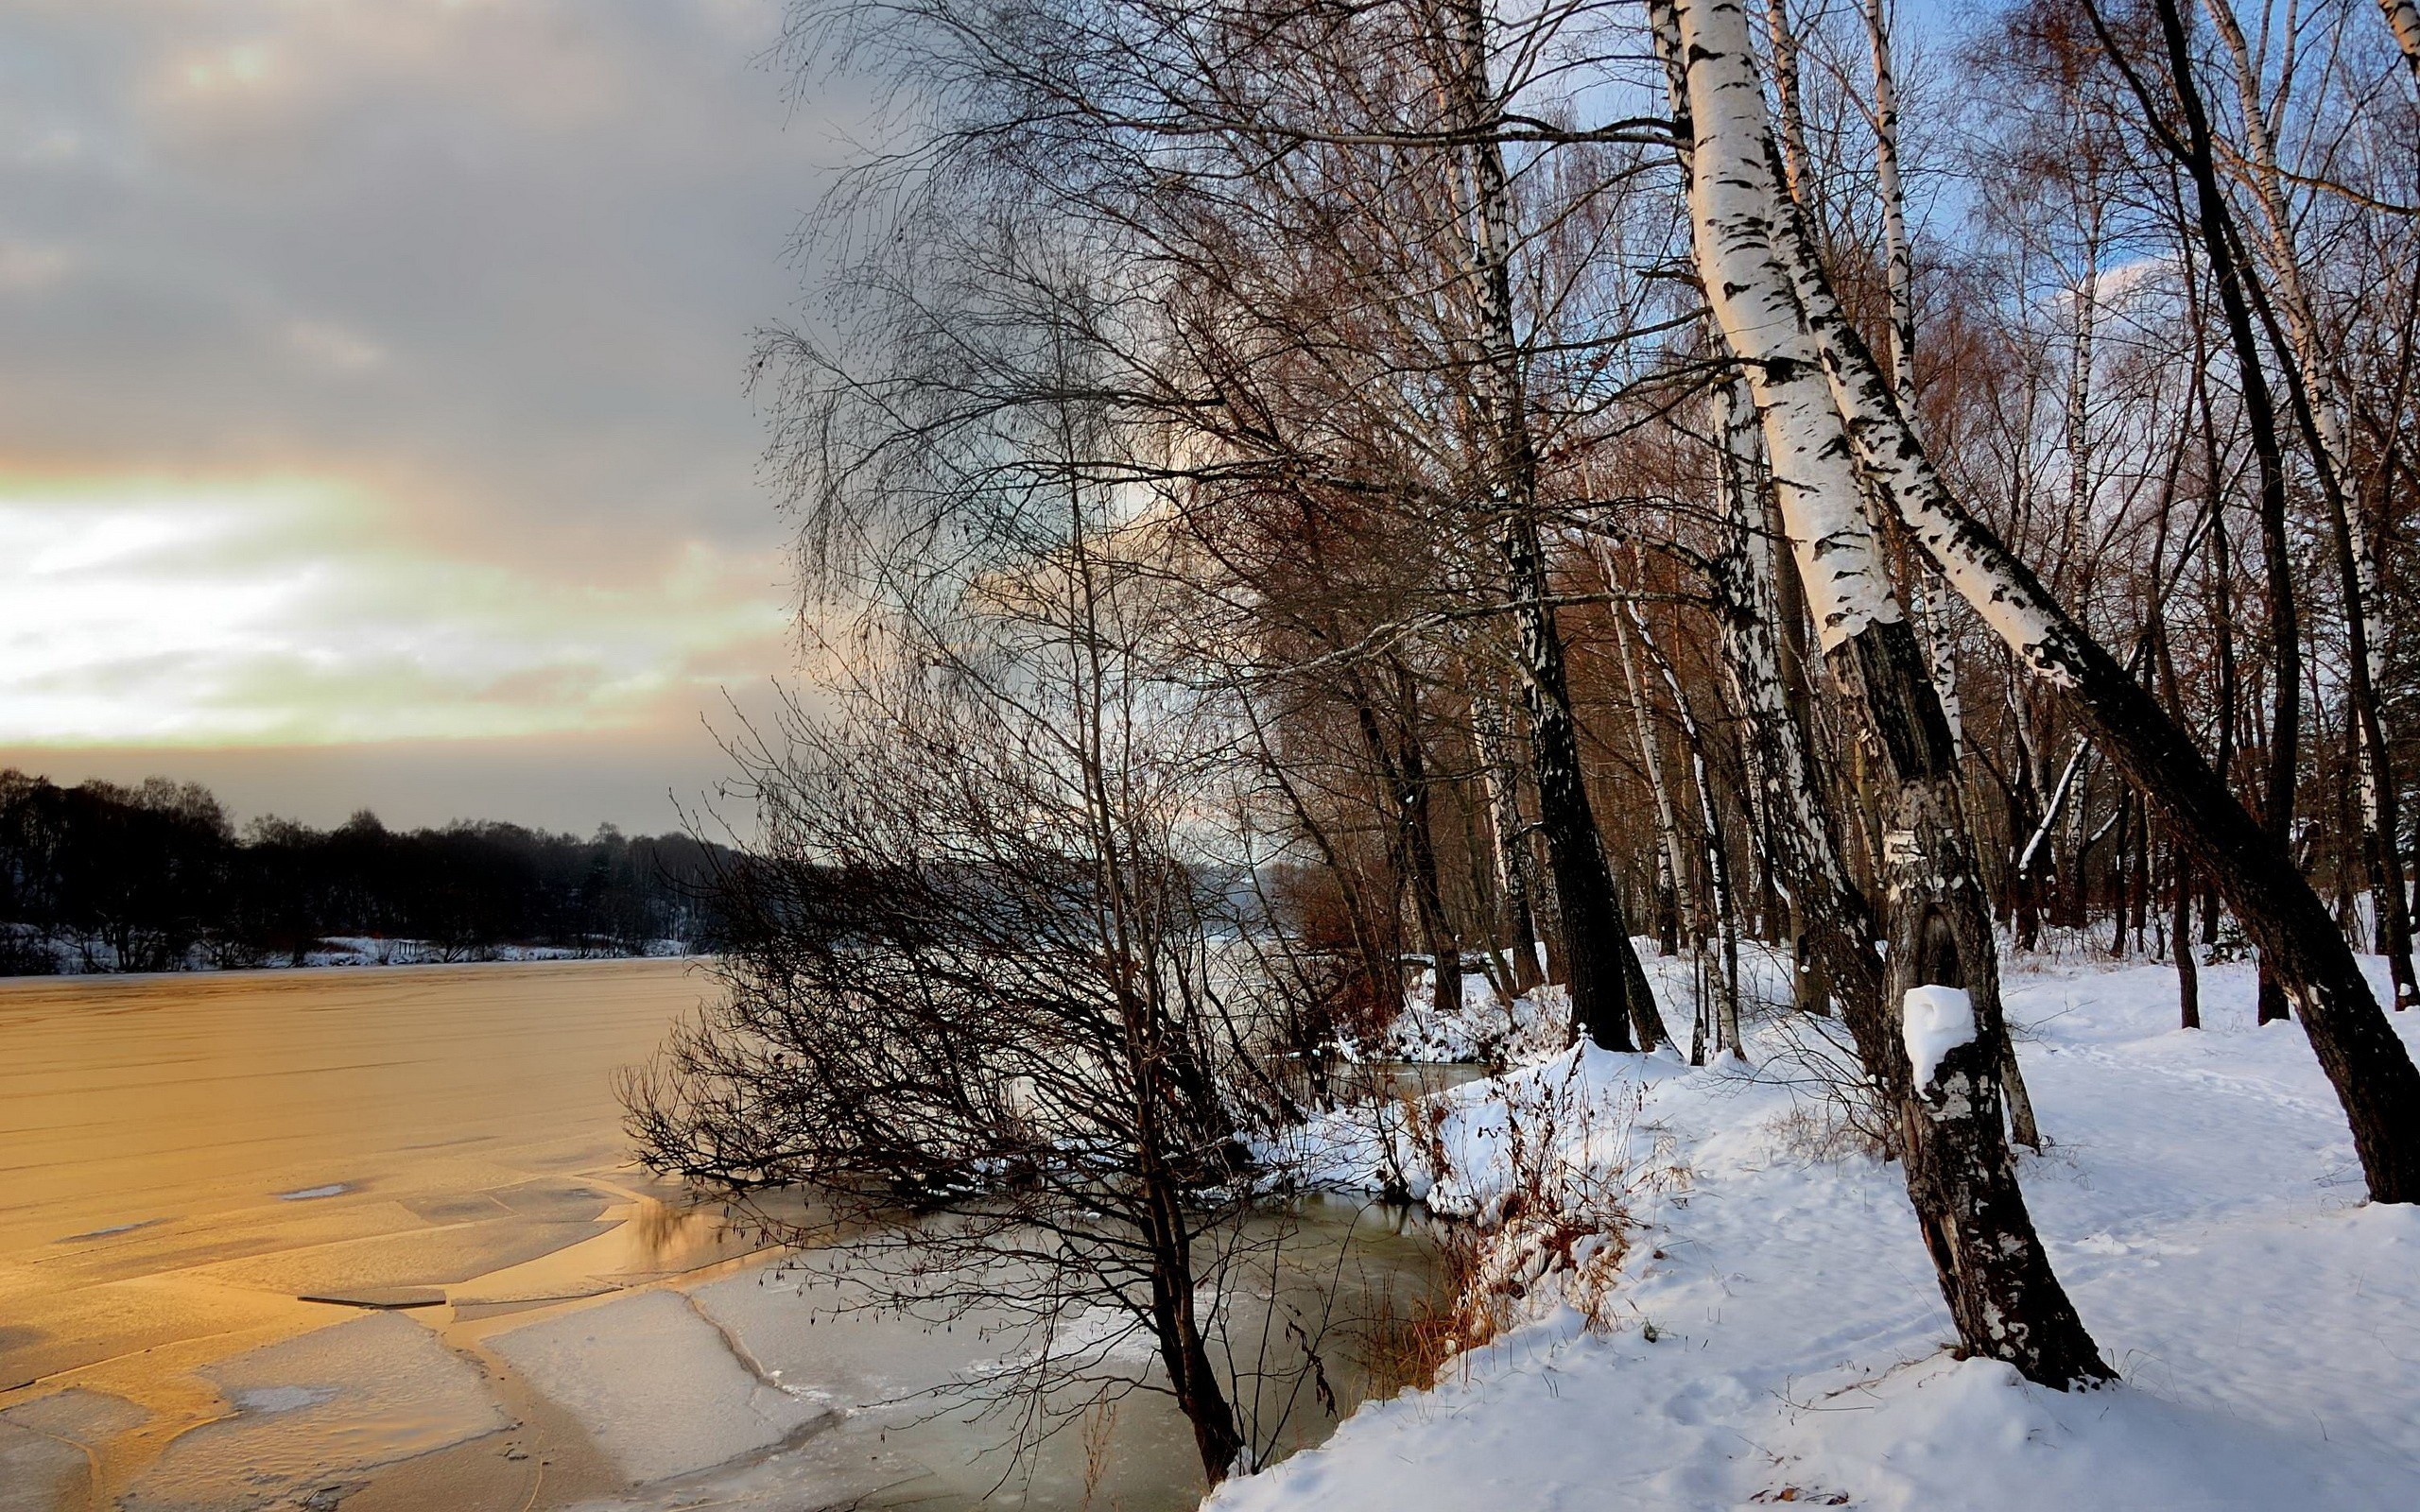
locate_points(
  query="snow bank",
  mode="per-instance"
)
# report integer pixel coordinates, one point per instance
(1487, 1029)
(1565, 1122)
(1537, 1024)
(1775, 1333)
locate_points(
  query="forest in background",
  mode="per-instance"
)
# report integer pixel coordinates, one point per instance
(103, 877)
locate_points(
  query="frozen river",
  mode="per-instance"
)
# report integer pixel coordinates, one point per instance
(370, 1238)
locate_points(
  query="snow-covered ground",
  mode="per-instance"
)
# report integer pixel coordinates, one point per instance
(379, 950)
(1770, 1330)
(1487, 1029)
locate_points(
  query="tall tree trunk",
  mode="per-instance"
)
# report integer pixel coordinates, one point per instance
(2119, 858)
(1601, 962)
(2213, 222)
(1403, 768)
(2189, 975)
(2076, 545)
(1488, 908)
(1726, 903)
(2403, 18)
(1507, 836)
(1924, 593)
(1671, 865)
(2002, 1291)
(1184, 1353)
(1783, 36)
(2138, 883)
(2320, 407)
(1811, 990)
(2221, 598)
(1804, 852)
(2372, 1073)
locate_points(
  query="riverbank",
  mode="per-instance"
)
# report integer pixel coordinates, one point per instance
(346, 950)
(291, 1240)
(1768, 1326)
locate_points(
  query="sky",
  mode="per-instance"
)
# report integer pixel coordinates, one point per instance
(373, 424)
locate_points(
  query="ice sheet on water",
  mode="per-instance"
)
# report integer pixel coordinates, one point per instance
(282, 1399)
(313, 1410)
(38, 1472)
(42, 1444)
(903, 1433)
(656, 1385)
(83, 1416)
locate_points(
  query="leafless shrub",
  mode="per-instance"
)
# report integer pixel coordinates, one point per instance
(1836, 1112)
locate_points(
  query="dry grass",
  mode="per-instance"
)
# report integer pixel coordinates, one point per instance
(1101, 1424)
(1552, 1231)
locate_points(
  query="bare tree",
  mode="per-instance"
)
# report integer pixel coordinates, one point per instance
(993, 999)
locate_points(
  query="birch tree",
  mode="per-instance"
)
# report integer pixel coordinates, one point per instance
(2002, 1293)
(1799, 323)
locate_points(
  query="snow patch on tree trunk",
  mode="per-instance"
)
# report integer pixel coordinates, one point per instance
(1934, 1021)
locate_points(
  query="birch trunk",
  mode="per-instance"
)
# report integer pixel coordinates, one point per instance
(1403, 769)
(1926, 595)
(1726, 901)
(2372, 1073)
(1832, 929)
(2189, 974)
(2079, 412)
(1784, 39)
(2403, 18)
(1672, 866)
(2006, 1302)
(1602, 965)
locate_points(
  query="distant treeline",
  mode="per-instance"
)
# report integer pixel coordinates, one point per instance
(151, 878)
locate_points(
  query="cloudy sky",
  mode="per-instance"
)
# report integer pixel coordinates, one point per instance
(372, 415)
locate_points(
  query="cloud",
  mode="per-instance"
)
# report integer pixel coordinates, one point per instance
(375, 371)
(25, 267)
(293, 612)
(333, 347)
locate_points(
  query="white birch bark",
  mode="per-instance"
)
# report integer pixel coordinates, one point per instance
(2050, 810)
(1990, 1264)
(1783, 38)
(1756, 654)
(1933, 616)
(2403, 18)
(1799, 842)
(1735, 213)
(2085, 296)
